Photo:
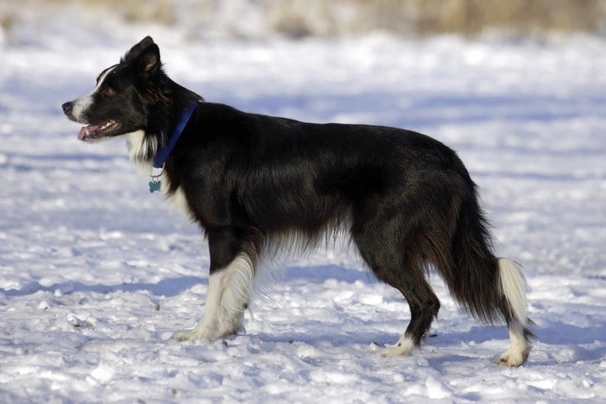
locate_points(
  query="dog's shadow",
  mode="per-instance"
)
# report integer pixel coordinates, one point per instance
(571, 343)
(167, 287)
(566, 342)
(323, 273)
(558, 343)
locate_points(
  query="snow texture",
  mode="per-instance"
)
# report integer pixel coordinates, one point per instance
(97, 274)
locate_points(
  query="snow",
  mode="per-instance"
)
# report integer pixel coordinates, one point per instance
(97, 274)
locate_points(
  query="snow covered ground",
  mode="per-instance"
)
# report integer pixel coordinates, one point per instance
(96, 273)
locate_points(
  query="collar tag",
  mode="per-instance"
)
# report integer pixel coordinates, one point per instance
(156, 182)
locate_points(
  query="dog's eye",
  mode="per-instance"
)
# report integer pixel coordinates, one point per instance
(110, 92)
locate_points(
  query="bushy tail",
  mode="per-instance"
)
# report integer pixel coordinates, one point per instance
(490, 289)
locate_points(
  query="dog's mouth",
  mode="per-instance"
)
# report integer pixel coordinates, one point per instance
(100, 131)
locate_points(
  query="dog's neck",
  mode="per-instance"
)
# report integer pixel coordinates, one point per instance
(144, 145)
(142, 148)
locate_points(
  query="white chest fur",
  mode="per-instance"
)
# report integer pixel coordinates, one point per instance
(137, 147)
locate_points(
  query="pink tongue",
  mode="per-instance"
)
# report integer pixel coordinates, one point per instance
(89, 129)
(82, 133)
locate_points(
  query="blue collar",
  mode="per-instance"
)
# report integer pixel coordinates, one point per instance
(165, 152)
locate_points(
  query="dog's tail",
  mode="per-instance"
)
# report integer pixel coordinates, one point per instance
(513, 288)
(491, 289)
(488, 288)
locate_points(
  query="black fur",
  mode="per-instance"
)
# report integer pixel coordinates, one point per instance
(253, 181)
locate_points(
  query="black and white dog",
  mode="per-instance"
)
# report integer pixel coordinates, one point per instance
(258, 185)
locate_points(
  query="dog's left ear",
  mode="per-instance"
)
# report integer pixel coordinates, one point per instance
(148, 61)
(136, 50)
(145, 56)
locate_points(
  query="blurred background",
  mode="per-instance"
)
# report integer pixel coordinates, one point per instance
(256, 19)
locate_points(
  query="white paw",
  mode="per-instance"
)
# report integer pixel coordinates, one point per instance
(229, 331)
(513, 357)
(232, 327)
(404, 347)
(193, 335)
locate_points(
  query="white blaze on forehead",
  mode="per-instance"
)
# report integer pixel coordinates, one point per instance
(83, 103)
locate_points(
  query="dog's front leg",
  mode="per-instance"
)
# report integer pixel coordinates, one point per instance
(222, 253)
(232, 271)
(208, 326)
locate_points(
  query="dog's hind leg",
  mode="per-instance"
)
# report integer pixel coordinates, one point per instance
(513, 287)
(388, 247)
(232, 271)
(424, 306)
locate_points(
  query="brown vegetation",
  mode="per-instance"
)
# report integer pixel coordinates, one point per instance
(424, 17)
(299, 18)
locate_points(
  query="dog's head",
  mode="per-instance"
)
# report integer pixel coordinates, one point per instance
(124, 97)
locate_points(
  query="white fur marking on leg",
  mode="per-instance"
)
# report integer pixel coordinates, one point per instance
(513, 287)
(227, 297)
(403, 347)
(207, 327)
(239, 277)
(517, 353)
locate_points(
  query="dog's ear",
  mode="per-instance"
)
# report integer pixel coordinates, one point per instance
(136, 50)
(148, 61)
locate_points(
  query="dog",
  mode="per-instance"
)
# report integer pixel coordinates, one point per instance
(258, 185)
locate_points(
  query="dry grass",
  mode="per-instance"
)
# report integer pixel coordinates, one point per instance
(298, 18)
(161, 11)
(471, 17)
(424, 17)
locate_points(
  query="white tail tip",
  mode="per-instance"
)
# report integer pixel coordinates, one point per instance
(513, 286)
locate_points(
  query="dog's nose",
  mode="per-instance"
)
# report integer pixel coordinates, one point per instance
(67, 108)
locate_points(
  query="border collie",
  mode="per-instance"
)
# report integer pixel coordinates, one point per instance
(258, 185)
